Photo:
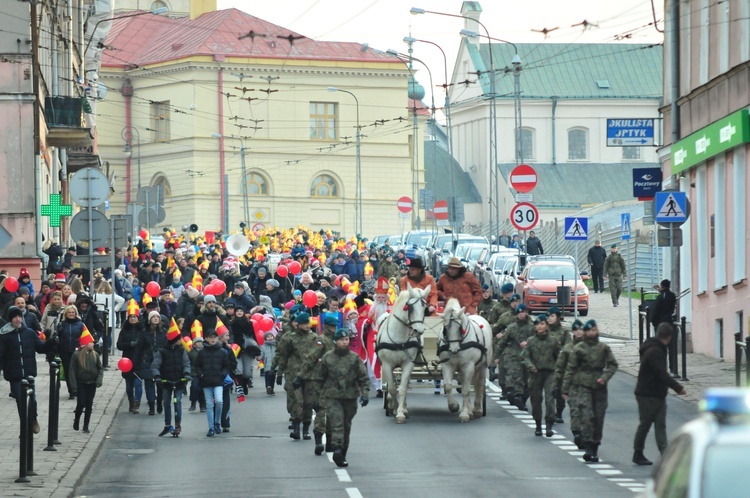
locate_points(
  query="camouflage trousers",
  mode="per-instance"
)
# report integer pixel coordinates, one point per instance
(516, 376)
(592, 405)
(575, 412)
(311, 391)
(340, 413)
(615, 287)
(542, 383)
(296, 403)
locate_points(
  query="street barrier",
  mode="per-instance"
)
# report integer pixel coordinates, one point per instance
(680, 328)
(741, 349)
(26, 446)
(54, 404)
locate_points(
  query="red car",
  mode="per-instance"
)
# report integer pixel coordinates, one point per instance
(538, 284)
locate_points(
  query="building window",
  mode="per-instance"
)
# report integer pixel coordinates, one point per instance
(160, 121)
(527, 144)
(631, 153)
(720, 186)
(322, 121)
(738, 220)
(702, 231)
(163, 191)
(256, 184)
(158, 4)
(577, 144)
(324, 186)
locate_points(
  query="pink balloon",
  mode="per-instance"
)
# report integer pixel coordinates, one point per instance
(153, 289)
(295, 267)
(283, 271)
(125, 365)
(220, 287)
(11, 284)
(309, 298)
(266, 324)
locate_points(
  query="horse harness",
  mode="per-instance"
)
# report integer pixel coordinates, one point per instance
(410, 342)
(444, 346)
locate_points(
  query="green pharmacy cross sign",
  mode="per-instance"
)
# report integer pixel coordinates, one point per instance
(55, 210)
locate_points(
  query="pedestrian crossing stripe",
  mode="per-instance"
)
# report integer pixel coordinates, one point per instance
(671, 208)
(576, 228)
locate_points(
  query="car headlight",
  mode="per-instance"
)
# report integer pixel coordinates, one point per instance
(535, 292)
(581, 292)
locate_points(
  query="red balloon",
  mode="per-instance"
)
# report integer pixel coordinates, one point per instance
(153, 289)
(266, 324)
(125, 365)
(256, 318)
(283, 271)
(309, 298)
(219, 287)
(143, 234)
(259, 337)
(295, 267)
(209, 290)
(11, 284)
(255, 325)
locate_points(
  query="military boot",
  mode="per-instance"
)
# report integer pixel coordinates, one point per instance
(589, 450)
(295, 432)
(521, 404)
(538, 431)
(318, 442)
(595, 453)
(503, 396)
(578, 440)
(640, 459)
(338, 458)
(306, 431)
(329, 442)
(510, 396)
(548, 427)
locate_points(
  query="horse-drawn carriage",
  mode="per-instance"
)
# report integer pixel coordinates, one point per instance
(411, 346)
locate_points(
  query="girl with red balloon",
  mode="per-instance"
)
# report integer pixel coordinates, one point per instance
(128, 342)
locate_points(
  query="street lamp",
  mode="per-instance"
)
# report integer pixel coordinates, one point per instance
(358, 173)
(494, 205)
(516, 63)
(156, 12)
(128, 133)
(245, 202)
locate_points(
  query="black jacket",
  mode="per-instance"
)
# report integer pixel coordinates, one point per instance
(663, 308)
(148, 344)
(596, 257)
(68, 333)
(212, 365)
(171, 363)
(18, 348)
(534, 246)
(653, 378)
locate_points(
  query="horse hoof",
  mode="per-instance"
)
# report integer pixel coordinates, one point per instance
(453, 407)
(464, 418)
(400, 419)
(477, 414)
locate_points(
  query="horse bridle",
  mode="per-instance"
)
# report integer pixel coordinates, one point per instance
(410, 305)
(445, 329)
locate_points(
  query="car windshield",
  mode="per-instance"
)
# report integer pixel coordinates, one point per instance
(394, 239)
(474, 252)
(414, 238)
(423, 241)
(500, 263)
(552, 272)
(725, 472)
(443, 239)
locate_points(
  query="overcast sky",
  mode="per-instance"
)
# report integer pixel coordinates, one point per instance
(384, 23)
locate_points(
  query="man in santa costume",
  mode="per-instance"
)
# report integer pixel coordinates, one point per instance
(379, 308)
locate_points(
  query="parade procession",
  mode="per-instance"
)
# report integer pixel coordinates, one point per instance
(314, 248)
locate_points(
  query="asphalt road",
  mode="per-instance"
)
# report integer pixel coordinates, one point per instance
(432, 455)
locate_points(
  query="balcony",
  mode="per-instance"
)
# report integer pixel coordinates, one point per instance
(64, 117)
(82, 157)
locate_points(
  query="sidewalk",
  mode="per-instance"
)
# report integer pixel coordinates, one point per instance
(702, 372)
(58, 471)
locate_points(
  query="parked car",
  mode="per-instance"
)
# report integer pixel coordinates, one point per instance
(411, 241)
(538, 284)
(470, 255)
(457, 248)
(503, 267)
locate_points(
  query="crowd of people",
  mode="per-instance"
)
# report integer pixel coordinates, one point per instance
(301, 307)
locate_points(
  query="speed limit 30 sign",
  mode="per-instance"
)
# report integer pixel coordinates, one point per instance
(524, 216)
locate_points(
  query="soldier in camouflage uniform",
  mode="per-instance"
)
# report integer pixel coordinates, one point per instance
(485, 305)
(590, 366)
(513, 341)
(562, 334)
(288, 360)
(498, 328)
(562, 364)
(344, 379)
(502, 305)
(615, 269)
(312, 379)
(540, 356)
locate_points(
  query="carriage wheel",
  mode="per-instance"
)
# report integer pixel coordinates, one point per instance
(384, 388)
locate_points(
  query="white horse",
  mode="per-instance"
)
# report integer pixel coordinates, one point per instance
(397, 344)
(465, 345)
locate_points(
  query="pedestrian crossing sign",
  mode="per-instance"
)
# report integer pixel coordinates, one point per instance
(671, 207)
(625, 226)
(576, 228)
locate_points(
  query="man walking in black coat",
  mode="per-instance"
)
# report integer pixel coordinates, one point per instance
(534, 245)
(662, 313)
(596, 258)
(651, 392)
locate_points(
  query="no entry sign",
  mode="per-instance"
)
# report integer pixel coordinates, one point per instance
(404, 204)
(523, 178)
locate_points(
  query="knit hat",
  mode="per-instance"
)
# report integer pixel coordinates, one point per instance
(330, 320)
(340, 334)
(589, 325)
(273, 283)
(209, 299)
(192, 292)
(13, 312)
(197, 339)
(289, 305)
(23, 273)
(577, 325)
(60, 277)
(297, 292)
(520, 308)
(154, 314)
(506, 288)
(302, 318)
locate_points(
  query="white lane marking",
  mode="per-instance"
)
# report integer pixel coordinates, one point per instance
(521, 415)
(609, 472)
(600, 466)
(576, 453)
(568, 448)
(493, 387)
(353, 493)
(622, 479)
(557, 436)
(343, 475)
(560, 442)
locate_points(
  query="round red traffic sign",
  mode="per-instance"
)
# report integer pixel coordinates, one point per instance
(440, 210)
(523, 178)
(524, 216)
(404, 204)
